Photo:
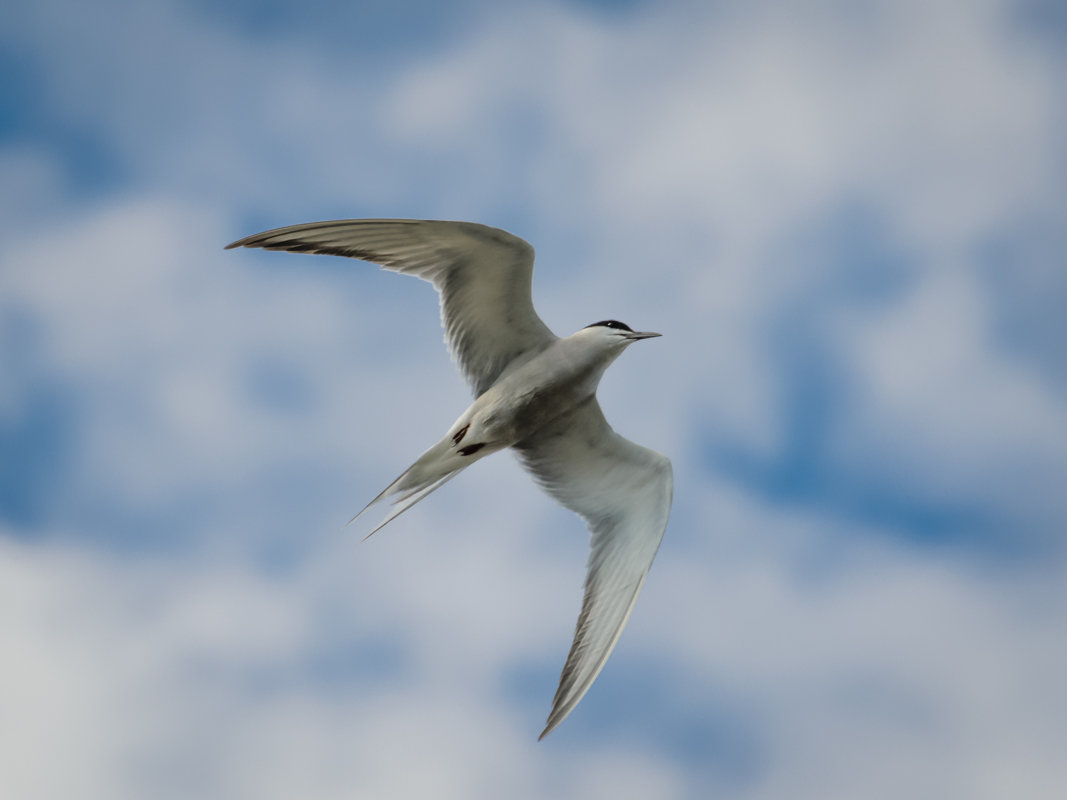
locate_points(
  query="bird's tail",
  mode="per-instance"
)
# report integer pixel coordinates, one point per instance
(435, 467)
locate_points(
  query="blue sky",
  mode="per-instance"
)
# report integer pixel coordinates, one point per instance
(848, 221)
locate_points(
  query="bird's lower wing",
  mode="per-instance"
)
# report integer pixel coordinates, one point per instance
(623, 492)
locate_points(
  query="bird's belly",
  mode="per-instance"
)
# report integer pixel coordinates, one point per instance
(513, 417)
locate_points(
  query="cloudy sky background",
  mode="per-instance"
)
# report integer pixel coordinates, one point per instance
(849, 221)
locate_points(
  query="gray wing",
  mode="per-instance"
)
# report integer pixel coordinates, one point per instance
(623, 492)
(483, 276)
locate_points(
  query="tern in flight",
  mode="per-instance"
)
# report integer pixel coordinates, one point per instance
(535, 393)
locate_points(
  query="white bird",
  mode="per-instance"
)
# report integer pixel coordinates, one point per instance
(534, 392)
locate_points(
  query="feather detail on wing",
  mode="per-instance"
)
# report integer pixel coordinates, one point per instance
(623, 492)
(483, 276)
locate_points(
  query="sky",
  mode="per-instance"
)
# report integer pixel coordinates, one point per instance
(847, 219)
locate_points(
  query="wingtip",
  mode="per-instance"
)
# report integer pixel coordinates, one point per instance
(555, 717)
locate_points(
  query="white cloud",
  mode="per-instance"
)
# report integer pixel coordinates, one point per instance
(178, 676)
(876, 671)
(951, 414)
(168, 677)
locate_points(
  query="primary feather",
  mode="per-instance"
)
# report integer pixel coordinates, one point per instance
(482, 274)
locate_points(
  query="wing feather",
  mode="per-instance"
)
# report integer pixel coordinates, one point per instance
(623, 492)
(483, 276)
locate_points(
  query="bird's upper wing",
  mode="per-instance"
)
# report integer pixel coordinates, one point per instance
(483, 275)
(623, 492)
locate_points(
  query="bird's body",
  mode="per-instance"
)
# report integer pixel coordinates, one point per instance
(543, 388)
(535, 393)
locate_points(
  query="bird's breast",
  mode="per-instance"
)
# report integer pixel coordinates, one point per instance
(527, 400)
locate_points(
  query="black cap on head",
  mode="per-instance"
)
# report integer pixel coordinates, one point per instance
(612, 323)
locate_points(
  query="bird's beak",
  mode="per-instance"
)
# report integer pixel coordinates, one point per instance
(642, 335)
